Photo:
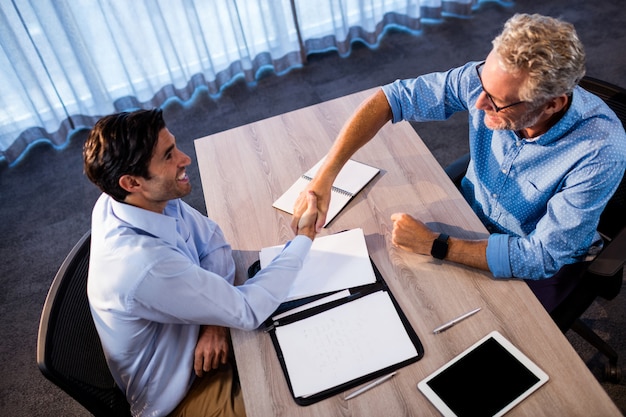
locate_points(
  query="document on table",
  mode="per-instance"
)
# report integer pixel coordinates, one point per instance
(335, 262)
(344, 343)
(350, 180)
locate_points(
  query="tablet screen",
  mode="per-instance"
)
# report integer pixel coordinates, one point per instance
(487, 379)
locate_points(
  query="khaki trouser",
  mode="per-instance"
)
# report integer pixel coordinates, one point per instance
(216, 394)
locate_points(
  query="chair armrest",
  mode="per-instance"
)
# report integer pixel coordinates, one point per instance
(612, 257)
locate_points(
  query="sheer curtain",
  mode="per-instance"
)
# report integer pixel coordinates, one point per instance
(65, 63)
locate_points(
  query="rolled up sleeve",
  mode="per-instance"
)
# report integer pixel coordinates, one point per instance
(498, 256)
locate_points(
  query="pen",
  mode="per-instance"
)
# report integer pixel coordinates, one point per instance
(370, 386)
(451, 323)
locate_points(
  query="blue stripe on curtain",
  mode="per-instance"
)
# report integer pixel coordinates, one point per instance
(66, 63)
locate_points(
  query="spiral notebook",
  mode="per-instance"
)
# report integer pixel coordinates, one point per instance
(351, 179)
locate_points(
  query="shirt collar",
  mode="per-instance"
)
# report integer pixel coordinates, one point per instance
(569, 119)
(162, 226)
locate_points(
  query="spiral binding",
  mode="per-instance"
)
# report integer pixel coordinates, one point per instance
(335, 189)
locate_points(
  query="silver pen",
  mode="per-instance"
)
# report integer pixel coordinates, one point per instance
(451, 323)
(370, 386)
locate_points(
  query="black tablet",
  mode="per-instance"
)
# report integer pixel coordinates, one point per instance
(487, 379)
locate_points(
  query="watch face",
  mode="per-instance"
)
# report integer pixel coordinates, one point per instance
(440, 247)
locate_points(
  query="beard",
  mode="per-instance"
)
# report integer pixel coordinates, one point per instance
(494, 122)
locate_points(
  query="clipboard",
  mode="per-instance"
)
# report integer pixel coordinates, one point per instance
(376, 366)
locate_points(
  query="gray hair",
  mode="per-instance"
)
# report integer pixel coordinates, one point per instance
(545, 48)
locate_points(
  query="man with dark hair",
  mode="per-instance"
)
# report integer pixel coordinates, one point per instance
(161, 274)
(546, 155)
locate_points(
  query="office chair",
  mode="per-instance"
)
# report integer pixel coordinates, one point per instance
(69, 352)
(603, 276)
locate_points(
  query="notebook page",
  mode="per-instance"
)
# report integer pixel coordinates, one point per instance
(335, 262)
(354, 176)
(344, 343)
(286, 201)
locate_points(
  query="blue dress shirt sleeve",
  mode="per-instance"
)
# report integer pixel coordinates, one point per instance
(176, 290)
(434, 96)
(498, 255)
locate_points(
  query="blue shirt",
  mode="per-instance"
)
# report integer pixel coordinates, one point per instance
(154, 279)
(540, 199)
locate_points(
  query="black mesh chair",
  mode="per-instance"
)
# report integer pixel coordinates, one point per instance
(68, 347)
(603, 276)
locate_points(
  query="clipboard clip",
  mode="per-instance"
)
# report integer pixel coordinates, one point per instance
(320, 308)
(271, 327)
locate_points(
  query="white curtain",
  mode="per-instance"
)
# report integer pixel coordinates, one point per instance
(65, 63)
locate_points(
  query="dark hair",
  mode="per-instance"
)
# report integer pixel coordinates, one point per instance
(121, 144)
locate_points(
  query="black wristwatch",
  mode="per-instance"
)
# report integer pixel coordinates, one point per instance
(440, 246)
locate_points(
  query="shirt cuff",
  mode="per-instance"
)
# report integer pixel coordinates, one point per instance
(299, 246)
(389, 90)
(498, 256)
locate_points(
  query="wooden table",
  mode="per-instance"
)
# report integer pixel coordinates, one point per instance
(245, 169)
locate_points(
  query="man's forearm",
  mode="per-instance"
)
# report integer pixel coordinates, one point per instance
(362, 126)
(468, 252)
(413, 235)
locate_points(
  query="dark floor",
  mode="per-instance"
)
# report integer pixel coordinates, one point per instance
(46, 200)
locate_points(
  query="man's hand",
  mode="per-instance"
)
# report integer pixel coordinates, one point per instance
(411, 235)
(302, 206)
(307, 222)
(211, 350)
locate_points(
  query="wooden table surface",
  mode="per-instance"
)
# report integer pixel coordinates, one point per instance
(243, 170)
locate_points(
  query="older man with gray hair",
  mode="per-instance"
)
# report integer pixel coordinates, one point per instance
(546, 155)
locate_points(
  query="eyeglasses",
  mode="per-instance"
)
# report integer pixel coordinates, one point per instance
(495, 106)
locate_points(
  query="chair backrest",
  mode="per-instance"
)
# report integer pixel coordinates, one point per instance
(69, 352)
(612, 221)
(604, 275)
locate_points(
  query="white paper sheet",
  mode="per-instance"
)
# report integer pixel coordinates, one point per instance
(335, 262)
(344, 343)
